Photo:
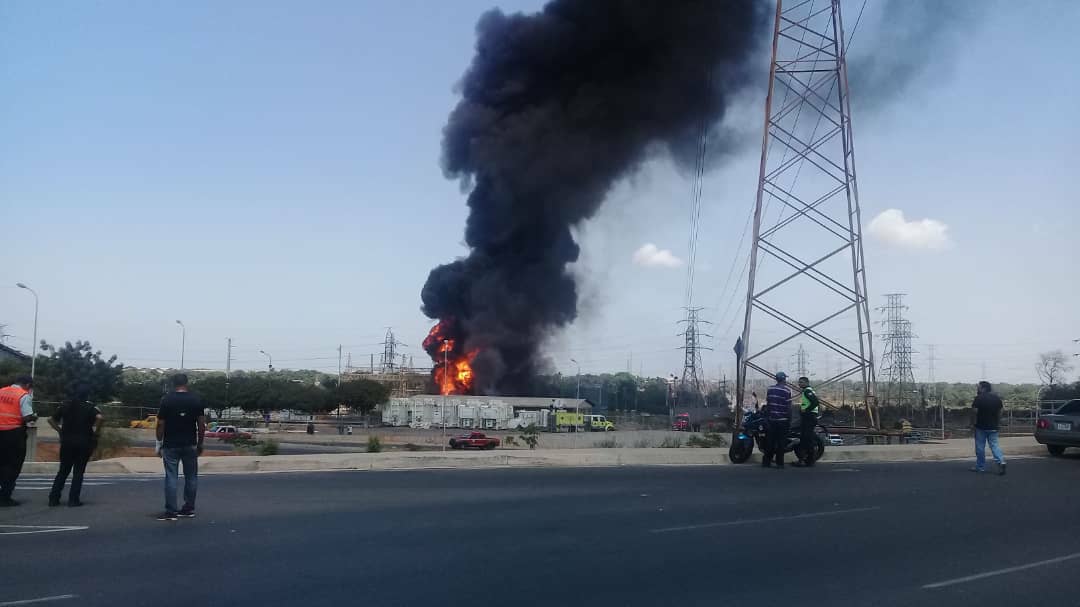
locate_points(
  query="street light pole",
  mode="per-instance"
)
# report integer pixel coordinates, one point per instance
(270, 360)
(578, 394)
(183, 342)
(446, 369)
(31, 427)
(34, 346)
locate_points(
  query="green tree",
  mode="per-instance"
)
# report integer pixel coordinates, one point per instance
(143, 393)
(213, 391)
(10, 369)
(63, 369)
(362, 394)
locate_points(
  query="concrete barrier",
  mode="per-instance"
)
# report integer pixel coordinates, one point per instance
(516, 458)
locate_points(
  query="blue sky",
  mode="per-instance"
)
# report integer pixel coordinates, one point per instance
(269, 172)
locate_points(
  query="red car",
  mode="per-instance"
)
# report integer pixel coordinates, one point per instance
(474, 440)
(682, 423)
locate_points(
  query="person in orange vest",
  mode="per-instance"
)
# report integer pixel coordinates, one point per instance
(16, 410)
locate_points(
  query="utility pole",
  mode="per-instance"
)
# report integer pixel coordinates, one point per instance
(931, 359)
(807, 169)
(228, 369)
(340, 429)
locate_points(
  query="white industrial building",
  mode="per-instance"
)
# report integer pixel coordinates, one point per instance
(483, 412)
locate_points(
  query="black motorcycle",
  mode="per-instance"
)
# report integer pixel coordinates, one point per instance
(753, 431)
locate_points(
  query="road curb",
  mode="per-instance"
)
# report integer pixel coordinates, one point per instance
(519, 458)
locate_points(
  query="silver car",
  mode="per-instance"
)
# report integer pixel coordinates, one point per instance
(1061, 429)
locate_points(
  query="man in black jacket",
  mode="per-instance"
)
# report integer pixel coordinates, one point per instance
(78, 423)
(987, 410)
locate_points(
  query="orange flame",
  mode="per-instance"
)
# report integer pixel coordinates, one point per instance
(451, 369)
(455, 375)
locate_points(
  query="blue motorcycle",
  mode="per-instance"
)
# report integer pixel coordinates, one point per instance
(753, 431)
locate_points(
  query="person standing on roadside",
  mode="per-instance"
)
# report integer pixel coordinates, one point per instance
(16, 410)
(78, 422)
(987, 412)
(181, 428)
(778, 414)
(808, 417)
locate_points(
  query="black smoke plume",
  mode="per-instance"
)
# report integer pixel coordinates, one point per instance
(555, 108)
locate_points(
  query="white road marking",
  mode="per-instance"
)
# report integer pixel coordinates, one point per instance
(44, 599)
(28, 529)
(979, 576)
(749, 521)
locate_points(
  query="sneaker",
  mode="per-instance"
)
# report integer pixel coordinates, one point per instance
(976, 469)
(1001, 469)
(54, 503)
(167, 516)
(9, 503)
(186, 513)
(75, 504)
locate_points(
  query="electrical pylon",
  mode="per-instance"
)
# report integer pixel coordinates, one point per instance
(692, 385)
(896, 367)
(815, 284)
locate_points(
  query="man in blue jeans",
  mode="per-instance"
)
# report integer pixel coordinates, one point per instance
(181, 427)
(987, 407)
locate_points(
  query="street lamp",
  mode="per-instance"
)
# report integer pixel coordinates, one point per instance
(269, 358)
(183, 342)
(31, 434)
(578, 395)
(446, 370)
(34, 346)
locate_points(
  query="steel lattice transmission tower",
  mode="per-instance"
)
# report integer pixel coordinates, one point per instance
(896, 366)
(692, 385)
(390, 355)
(807, 273)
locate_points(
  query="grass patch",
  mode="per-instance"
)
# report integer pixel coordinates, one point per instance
(642, 443)
(411, 447)
(269, 447)
(111, 442)
(607, 443)
(671, 442)
(707, 440)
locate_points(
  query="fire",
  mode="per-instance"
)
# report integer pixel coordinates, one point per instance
(451, 368)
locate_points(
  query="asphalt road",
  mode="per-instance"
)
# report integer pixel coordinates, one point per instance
(840, 534)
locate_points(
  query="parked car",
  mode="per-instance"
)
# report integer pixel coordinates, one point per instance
(224, 432)
(1060, 429)
(149, 422)
(835, 440)
(474, 440)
